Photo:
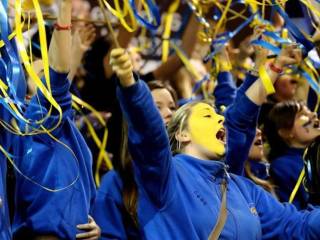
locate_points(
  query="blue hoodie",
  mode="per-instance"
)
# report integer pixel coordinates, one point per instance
(179, 197)
(285, 170)
(49, 163)
(5, 228)
(109, 211)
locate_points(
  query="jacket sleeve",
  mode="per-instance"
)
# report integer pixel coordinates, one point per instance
(284, 221)
(39, 105)
(225, 91)
(241, 121)
(148, 141)
(108, 210)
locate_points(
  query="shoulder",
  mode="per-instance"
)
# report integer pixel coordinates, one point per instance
(111, 184)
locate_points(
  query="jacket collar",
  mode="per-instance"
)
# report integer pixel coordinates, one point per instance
(207, 168)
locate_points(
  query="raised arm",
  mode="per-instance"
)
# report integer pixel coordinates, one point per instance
(60, 62)
(241, 117)
(60, 46)
(225, 91)
(148, 140)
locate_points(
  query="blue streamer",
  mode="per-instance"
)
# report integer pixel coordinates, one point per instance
(293, 29)
(10, 67)
(223, 38)
(154, 12)
(198, 84)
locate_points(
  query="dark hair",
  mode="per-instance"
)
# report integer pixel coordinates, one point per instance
(281, 116)
(130, 189)
(156, 84)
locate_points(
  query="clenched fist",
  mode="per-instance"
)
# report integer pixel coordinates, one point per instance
(122, 66)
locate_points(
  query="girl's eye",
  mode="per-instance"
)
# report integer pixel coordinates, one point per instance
(207, 116)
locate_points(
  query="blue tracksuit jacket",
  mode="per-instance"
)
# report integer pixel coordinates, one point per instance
(285, 171)
(5, 141)
(109, 211)
(49, 163)
(179, 197)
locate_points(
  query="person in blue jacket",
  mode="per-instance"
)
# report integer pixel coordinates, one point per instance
(179, 196)
(5, 142)
(115, 204)
(54, 184)
(290, 128)
(114, 208)
(249, 163)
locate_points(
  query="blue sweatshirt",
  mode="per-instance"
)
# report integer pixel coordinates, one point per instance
(260, 169)
(52, 165)
(225, 91)
(285, 171)
(179, 197)
(109, 211)
(240, 122)
(5, 140)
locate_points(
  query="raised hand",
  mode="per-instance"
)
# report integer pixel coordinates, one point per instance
(122, 66)
(290, 54)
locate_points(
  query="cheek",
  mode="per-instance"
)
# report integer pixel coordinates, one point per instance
(284, 86)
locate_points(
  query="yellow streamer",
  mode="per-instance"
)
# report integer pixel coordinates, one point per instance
(167, 29)
(266, 81)
(187, 63)
(121, 15)
(26, 61)
(296, 187)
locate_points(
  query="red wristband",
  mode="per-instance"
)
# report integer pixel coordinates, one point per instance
(62, 27)
(275, 68)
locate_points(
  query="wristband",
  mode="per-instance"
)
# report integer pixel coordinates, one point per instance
(62, 27)
(275, 68)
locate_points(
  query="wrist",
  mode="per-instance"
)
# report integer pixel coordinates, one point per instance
(61, 27)
(278, 63)
(276, 68)
(127, 80)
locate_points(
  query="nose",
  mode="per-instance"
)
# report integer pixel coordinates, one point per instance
(258, 132)
(220, 119)
(167, 113)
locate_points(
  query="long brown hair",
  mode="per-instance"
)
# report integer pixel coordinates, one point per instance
(281, 116)
(130, 189)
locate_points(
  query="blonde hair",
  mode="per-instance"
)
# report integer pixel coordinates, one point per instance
(179, 122)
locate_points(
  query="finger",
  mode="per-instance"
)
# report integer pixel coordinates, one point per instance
(122, 59)
(116, 52)
(87, 226)
(92, 238)
(89, 217)
(126, 65)
(105, 116)
(289, 61)
(87, 235)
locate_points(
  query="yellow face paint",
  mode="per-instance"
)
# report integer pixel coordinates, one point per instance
(206, 129)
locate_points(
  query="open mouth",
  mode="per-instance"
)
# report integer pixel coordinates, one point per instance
(316, 123)
(259, 142)
(293, 81)
(221, 135)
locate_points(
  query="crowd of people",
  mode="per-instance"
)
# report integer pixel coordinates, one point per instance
(199, 150)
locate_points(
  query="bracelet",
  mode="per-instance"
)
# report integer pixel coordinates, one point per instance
(275, 69)
(62, 27)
